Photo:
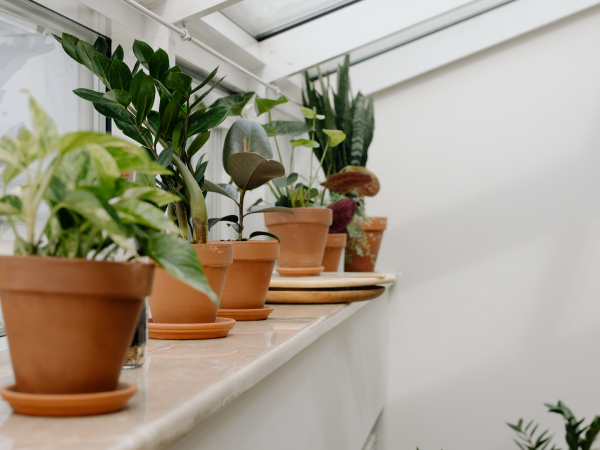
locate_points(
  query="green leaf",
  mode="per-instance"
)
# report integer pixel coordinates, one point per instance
(143, 213)
(179, 82)
(10, 205)
(145, 99)
(131, 131)
(69, 45)
(291, 128)
(120, 75)
(151, 194)
(235, 101)
(266, 209)
(85, 53)
(80, 139)
(284, 182)
(336, 137)
(263, 105)
(308, 113)
(305, 143)
(143, 52)
(112, 111)
(245, 136)
(101, 46)
(226, 190)
(198, 143)
(95, 97)
(118, 53)
(210, 119)
(136, 83)
(180, 260)
(230, 218)
(158, 64)
(165, 157)
(199, 172)
(263, 233)
(251, 170)
(169, 118)
(101, 67)
(206, 80)
(176, 138)
(203, 96)
(105, 166)
(119, 96)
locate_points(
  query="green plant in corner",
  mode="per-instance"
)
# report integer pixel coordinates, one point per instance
(93, 211)
(246, 158)
(578, 437)
(173, 134)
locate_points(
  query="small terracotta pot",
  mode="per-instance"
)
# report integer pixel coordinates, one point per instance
(173, 301)
(303, 237)
(333, 251)
(374, 227)
(249, 276)
(69, 322)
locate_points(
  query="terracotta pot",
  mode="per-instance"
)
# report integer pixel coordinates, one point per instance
(303, 237)
(173, 301)
(368, 245)
(69, 322)
(249, 276)
(333, 251)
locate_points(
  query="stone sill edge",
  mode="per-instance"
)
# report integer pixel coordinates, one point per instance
(162, 432)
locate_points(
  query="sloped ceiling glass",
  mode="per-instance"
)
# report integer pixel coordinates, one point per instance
(263, 18)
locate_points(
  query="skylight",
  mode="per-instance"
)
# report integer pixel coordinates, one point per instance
(263, 18)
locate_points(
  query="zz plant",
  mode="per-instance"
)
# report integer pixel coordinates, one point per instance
(247, 159)
(171, 135)
(92, 211)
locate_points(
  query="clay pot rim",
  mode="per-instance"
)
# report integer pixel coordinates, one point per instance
(336, 240)
(77, 268)
(375, 223)
(247, 250)
(322, 216)
(211, 258)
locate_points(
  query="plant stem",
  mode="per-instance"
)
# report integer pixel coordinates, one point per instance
(182, 220)
(241, 213)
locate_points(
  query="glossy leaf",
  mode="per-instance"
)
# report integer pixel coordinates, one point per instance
(179, 82)
(151, 194)
(143, 52)
(169, 118)
(101, 46)
(198, 143)
(245, 136)
(143, 213)
(263, 233)
(101, 67)
(203, 96)
(120, 75)
(165, 157)
(199, 172)
(177, 135)
(145, 100)
(336, 137)
(159, 64)
(119, 96)
(135, 85)
(226, 190)
(235, 101)
(230, 218)
(95, 97)
(112, 111)
(136, 159)
(266, 209)
(290, 128)
(284, 182)
(251, 170)
(210, 119)
(118, 53)
(69, 44)
(263, 105)
(206, 80)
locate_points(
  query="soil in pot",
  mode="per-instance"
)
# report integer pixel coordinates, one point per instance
(362, 250)
(333, 251)
(303, 237)
(175, 302)
(249, 276)
(69, 322)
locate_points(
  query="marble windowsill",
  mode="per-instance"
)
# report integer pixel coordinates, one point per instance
(181, 384)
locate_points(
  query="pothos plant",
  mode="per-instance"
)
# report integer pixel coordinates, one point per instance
(247, 159)
(93, 212)
(290, 191)
(171, 135)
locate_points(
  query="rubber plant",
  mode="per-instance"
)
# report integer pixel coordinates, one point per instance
(247, 159)
(173, 134)
(93, 210)
(577, 436)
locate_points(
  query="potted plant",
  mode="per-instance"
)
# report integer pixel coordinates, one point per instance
(247, 159)
(303, 236)
(70, 309)
(355, 117)
(173, 135)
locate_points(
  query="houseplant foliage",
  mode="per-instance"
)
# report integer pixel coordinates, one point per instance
(92, 215)
(247, 159)
(577, 436)
(173, 133)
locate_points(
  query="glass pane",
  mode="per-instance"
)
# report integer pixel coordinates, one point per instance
(264, 17)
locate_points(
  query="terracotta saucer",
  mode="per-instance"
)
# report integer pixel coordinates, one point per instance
(68, 404)
(246, 314)
(220, 328)
(299, 271)
(330, 295)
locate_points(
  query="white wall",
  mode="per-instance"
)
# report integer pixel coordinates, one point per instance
(490, 173)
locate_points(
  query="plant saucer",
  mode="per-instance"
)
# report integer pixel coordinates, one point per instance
(246, 314)
(220, 328)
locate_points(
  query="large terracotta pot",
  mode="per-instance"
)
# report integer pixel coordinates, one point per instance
(303, 237)
(69, 322)
(249, 276)
(333, 251)
(368, 245)
(173, 301)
